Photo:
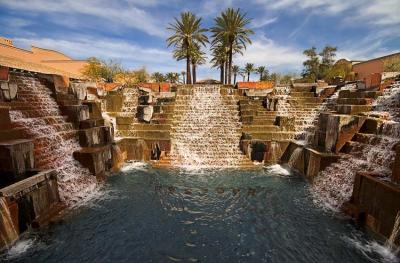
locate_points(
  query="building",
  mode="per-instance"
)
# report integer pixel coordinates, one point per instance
(156, 86)
(255, 88)
(40, 60)
(371, 70)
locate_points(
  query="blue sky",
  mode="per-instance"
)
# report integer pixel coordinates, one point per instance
(133, 31)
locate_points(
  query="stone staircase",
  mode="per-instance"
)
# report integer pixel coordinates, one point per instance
(206, 129)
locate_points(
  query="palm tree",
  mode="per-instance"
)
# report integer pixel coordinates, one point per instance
(158, 77)
(261, 70)
(186, 33)
(248, 68)
(172, 77)
(243, 74)
(219, 59)
(183, 73)
(235, 71)
(198, 58)
(231, 28)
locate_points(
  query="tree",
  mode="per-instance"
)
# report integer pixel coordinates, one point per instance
(261, 70)
(327, 59)
(158, 77)
(183, 73)
(172, 77)
(311, 65)
(219, 59)
(186, 33)
(231, 29)
(392, 65)
(141, 75)
(94, 69)
(249, 68)
(198, 58)
(235, 71)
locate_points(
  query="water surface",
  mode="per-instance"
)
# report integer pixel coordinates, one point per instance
(149, 215)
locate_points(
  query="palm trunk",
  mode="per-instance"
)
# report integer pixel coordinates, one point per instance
(221, 76)
(261, 76)
(230, 64)
(194, 73)
(226, 73)
(184, 80)
(248, 77)
(189, 77)
(234, 78)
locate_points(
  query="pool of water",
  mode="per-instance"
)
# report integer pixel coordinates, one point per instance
(152, 215)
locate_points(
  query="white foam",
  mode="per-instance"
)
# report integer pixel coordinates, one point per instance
(141, 166)
(374, 251)
(19, 248)
(277, 169)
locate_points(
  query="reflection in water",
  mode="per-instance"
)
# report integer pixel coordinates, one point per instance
(211, 216)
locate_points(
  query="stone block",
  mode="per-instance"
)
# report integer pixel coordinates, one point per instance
(377, 203)
(9, 90)
(136, 149)
(32, 200)
(90, 123)
(96, 136)
(61, 83)
(286, 123)
(339, 130)
(352, 109)
(94, 109)
(97, 159)
(5, 121)
(317, 161)
(76, 113)
(4, 73)
(396, 166)
(16, 157)
(114, 101)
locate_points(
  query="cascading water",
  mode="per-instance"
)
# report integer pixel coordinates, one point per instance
(395, 236)
(8, 234)
(206, 129)
(55, 140)
(369, 152)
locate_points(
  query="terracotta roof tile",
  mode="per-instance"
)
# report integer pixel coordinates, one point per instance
(255, 85)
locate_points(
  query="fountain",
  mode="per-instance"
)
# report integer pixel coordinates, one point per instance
(365, 152)
(206, 129)
(55, 139)
(8, 233)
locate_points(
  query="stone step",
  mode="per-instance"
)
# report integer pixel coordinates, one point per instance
(274, 136)
(355, 101)
(302, 94)
(260, 128)
(352, 109)
(157, 127)
(148, 134)
(359, 94)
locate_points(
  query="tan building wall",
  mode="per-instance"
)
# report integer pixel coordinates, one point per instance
(367, 70)
(46, 57)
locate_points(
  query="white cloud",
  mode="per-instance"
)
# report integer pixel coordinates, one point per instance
(257, 23)
(126, 14)
(374, 12)
(277, 57)
(130, 54)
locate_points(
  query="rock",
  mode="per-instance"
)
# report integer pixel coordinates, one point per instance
(147, 113)
(9, 90)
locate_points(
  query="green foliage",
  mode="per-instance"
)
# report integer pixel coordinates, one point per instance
(248, 69)
(230, 35)
(158, 77)
(311, 65)
(392, 65)
(101, 70)
(187, 36)
(318, 66)
(263, 72)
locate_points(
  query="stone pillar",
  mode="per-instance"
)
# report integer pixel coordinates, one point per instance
(396, 165)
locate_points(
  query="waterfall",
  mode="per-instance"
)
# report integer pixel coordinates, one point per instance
(8, 234)
(369, 152)
(395, 235)
(206, 129)
(54, 139)
(295, 157)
